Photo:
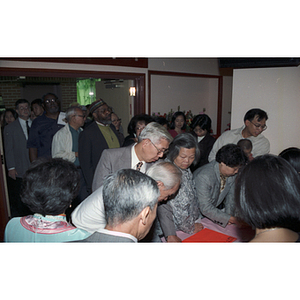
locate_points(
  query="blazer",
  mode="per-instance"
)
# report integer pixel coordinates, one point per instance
(111, 161)
(91, 144)
(15, 145)
(208, 183)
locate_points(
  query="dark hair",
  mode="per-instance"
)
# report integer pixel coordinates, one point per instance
(292, 155)
(252, 113)
(21, 101)
(267, 193)
(245, 144)
(183, 140)
(161, 120)
(203, 121)
(43, 98)
(36, 101)
(50, 185)
(14, 113)
(231, 155)
(141, 117)
(175, 115)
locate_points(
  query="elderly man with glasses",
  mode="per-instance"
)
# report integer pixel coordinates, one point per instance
(254, 124)
(153, 143)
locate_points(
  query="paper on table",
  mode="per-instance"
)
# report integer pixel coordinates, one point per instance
(207, 235)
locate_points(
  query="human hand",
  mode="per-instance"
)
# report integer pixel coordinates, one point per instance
(12, 174)
(198, 227)
(173, 239)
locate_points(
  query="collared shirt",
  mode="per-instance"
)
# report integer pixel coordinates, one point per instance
(24, 126)
(135, 160)
(118, 233)
(261, 144)
(41, 134)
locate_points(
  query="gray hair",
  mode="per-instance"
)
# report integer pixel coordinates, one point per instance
(71, 111)
(126, 193)
(166, 172)
(183, 140)
(155, 132)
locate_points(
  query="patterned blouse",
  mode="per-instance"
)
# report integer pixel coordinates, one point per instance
(185, 205)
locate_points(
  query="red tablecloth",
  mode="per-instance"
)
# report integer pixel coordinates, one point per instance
(241, 234)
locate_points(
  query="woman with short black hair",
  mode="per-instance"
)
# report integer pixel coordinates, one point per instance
(267, 196)
(48, 188)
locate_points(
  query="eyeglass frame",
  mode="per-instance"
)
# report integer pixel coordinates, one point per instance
(159, 151)
(118, 120)
(257, 126)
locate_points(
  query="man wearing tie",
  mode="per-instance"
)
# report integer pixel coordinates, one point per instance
(17, 155)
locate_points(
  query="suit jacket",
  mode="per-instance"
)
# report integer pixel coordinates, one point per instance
(15, 144)
(91, 144)
(208, 182)
(100, 237)
(111, 161)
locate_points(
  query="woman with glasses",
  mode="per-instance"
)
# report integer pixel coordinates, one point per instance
(183, 152)
(201, 128)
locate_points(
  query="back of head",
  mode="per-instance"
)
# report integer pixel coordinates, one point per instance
(231, 155)
(126, 193)
(155, 132)
(245, 144)
(252, 113)
(267, 193)
(292, 155)
(50, 185)
(203, 121)
(166, 172)
(183, 140)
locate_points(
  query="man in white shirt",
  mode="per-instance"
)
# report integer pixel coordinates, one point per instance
(254, 124)
(90, 215)
(17, 155)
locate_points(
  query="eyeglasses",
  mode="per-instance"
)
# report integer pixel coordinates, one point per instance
(115, 121)
(263, 128)
(82, 116)
(49, 100)
(159, 151)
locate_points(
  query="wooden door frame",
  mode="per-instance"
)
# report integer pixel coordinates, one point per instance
(139, 107)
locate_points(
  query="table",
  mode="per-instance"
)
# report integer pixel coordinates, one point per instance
(241, 234)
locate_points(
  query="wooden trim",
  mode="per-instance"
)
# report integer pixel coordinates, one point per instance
(137, 62)
(220, 91)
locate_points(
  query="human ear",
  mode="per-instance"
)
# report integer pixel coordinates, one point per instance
(145, 215)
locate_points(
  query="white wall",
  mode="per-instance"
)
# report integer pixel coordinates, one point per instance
(275, 90)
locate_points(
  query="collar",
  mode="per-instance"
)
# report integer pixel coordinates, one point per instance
(118, 233)
(135, 160)
(101, 124)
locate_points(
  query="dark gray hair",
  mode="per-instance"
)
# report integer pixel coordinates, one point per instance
(183, 140)
(155, 132)
(166, 172)
(126, 193)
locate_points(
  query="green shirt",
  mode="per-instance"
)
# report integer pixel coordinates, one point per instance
(110, 137)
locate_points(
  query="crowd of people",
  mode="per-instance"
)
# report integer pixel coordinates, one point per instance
(76, 177)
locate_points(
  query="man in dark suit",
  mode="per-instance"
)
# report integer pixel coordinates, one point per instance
(153, 142)
(17, 156)
(130, 202)
(99, 135)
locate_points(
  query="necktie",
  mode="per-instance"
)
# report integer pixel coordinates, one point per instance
(139, 165)
(223, 182)
(27, 126)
